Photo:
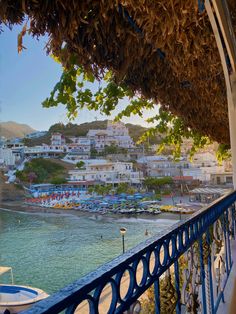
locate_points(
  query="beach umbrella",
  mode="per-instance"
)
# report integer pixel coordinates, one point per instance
(130, 197)
(138, 196)
(122, 200)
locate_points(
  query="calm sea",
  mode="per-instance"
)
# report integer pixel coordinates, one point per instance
(49, 251)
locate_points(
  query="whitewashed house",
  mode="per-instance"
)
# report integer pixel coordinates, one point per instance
(57, 139)
(80, 144)
(44, 151)
(106, 172)
(162, 166)
(7, 157)
(115, 134)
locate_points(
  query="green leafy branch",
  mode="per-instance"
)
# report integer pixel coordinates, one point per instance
(73, 92)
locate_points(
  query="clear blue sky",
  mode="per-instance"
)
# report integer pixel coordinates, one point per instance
(26, 79)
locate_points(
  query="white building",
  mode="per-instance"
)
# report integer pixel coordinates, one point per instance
(14, 143)
(57, 139)
(196, 174)
(7, 158)
(115, 134)
(106, 172)
(205, 164)
(44, 151)
(79, 145)
(222, 178)
(73, 157)
(3, 141)
(162, 166)
(204, 159)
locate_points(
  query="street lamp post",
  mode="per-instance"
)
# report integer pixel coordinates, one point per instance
(123, 232)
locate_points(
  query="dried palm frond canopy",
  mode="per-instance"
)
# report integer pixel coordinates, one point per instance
(164, 49)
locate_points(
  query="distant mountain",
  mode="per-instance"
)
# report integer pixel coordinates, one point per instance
(71, 129)
(12, 129)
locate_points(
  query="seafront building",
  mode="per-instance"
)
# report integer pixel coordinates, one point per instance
(106, 172)
(162, 166)
(204, 168)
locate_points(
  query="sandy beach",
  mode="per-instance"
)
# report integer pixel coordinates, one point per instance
(21, 207)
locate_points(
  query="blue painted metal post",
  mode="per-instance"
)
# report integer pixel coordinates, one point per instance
(228, 238)
(210, 272)
(202, 272)
(233, 220)
(223, 221)
(177, 288)
(201, 6)
(157, 296)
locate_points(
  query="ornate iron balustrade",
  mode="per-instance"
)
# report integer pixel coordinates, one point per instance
(188, 266)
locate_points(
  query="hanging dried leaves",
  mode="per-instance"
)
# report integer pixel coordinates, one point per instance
(164, 49)
(20, 46)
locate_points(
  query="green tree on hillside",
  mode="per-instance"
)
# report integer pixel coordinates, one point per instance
(58, 180)
(40, 170)
(80, 164)
(114, 149)
(125, 187)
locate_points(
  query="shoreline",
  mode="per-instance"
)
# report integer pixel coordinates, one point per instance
(18, 206)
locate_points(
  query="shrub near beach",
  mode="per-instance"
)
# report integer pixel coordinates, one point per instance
(41, 170)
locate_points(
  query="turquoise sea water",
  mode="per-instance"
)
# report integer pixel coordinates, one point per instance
(49, 251)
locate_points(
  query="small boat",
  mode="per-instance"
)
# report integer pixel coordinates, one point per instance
(16, 298)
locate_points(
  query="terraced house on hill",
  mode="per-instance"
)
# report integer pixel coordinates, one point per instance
(115, 134)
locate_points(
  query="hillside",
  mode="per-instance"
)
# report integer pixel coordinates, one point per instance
(40, 170)
(70, 129)
(9, 192)
(13, 129)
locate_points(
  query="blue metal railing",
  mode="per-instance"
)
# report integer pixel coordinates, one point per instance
(188, 266)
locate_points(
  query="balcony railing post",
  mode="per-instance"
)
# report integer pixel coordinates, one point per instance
(157, 296)
(209, 282)
(177, 287)
(202, 273)
(228, 237)
(233, 221)
(224, 223)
